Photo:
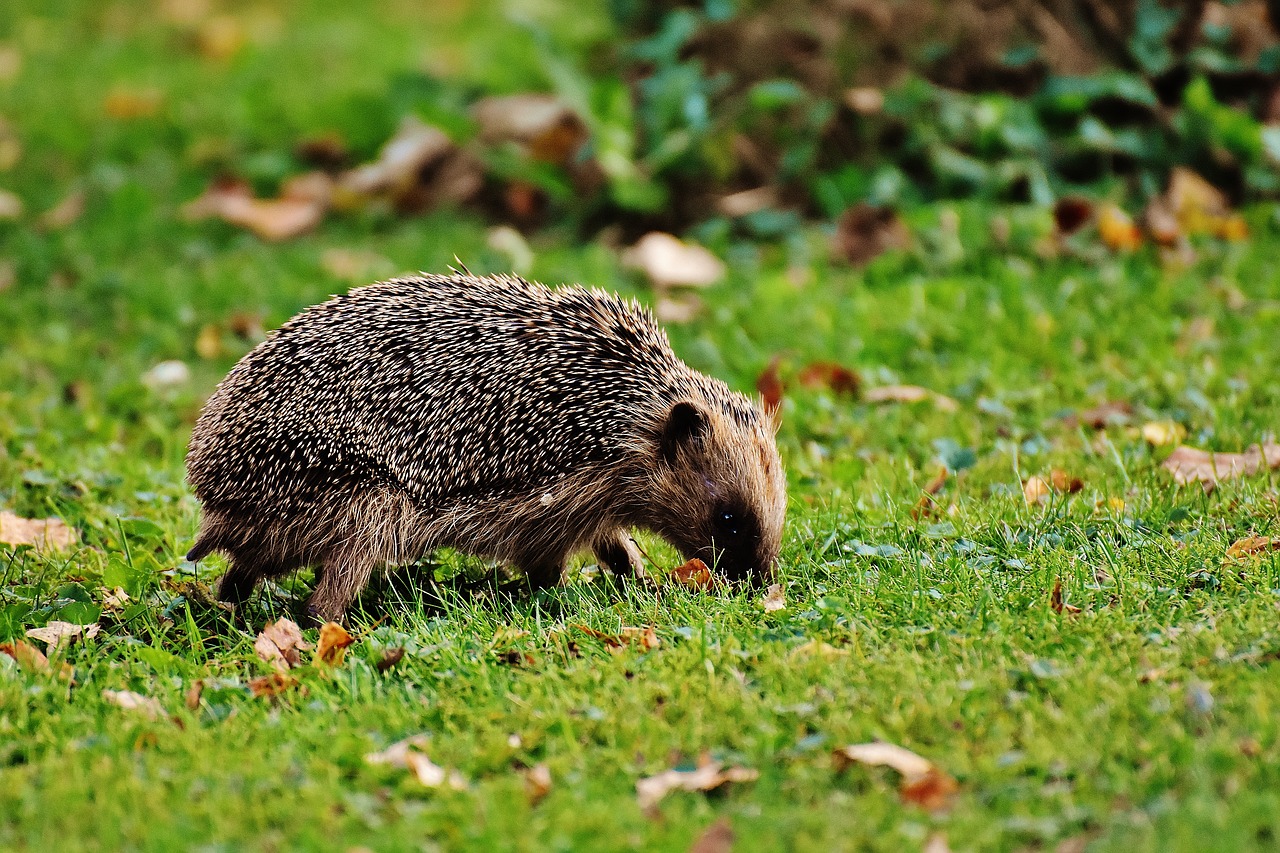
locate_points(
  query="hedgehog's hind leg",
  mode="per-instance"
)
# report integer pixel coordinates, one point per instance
(343, 574)
(241, 576)
(617, 551)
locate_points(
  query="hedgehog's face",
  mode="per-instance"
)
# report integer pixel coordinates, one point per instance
(720, 491)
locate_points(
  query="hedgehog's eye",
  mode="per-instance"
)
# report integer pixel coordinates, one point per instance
(729, 523)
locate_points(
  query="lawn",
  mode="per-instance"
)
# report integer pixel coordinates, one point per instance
(1137, 708)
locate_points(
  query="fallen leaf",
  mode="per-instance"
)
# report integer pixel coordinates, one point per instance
(1064, 483)
(1201, 208)
(909, 394)
(166, 374)
(194, 692)
(708, 776)
(925, 505)
(1111, 413)
(130, 701)
(937, 843)
(1252, 546)
(272, 685)
(10, 205)
(774, 599)
(123, 102)
(114, 600)
(537, 783)
(332, 645)
(1056, 600)
(390, 658)
(28, 656)
(682, 309)
(747, 202)
(512, 245)
(717, 838)
(769, 385)
(670, 262)
(220, 37)
(923, 783)
(300, 207)
(1117, 229)
(645, 637)
(65, 212)
(1036, 490)
(1161, 433)
(865, 231)
(838, 378)
(1162, 223)
(57, 633)
(408, 754)
(417, 169)
(544, 127)
(280, 644)
(694, 574)
(864, 100)
(1071, 213)
(47, 533)
(1189, 465)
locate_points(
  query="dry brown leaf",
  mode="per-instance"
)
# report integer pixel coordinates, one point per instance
(1036, 490)
(1117, 229)
(390, 658)
(1071, 213)
(56, 633)
(747, 202)
(124, 102)
(1251, 546)
(11, 206)
(332, 645)
(114, 600)
(417, 169)
(708, 776)
(65, 212)
(1110, 413)
(1162, 223)
(925, 505)
(923, 783)
(1162, 433)
(1201, 208)
(717, 838)
(1057, 602)
(909, 394)
(669, 262)
(148, 706)
(645, 637)
(282, 218)
(864, 100)
(1065, 483)
(838, 378)
(543, 126)
(48, 533)
(270, 686)
(694, 574)
(409, 754)
(937, 843)
(774, 599)
(27, 656)
(280, 644)
(769, 385)
(865, 231)
(194, 692)
(1189, 465)
(537, 783)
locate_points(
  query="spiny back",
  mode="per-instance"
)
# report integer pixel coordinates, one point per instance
(443, 386)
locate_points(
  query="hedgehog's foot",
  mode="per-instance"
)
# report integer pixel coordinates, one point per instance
(238, 581)
(619, 553)
(341, 578)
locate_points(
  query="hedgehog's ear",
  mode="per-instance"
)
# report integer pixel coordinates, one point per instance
(685, 425)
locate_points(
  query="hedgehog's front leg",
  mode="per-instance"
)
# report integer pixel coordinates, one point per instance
(343, 574)
(617, 551)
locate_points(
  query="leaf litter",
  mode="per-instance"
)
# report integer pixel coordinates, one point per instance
(707, 776)
(410, 754)
(922, 784)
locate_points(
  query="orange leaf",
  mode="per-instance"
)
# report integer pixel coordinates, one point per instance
(923, 783)
(1117, 229)
(694, 574)
(1056, 601)
(332, 646)
(769, 384)
(1252, 546)
(279, 644)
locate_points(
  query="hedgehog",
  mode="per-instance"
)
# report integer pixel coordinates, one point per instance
(488, 414)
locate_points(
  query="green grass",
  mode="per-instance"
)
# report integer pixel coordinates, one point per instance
(1147, 721)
